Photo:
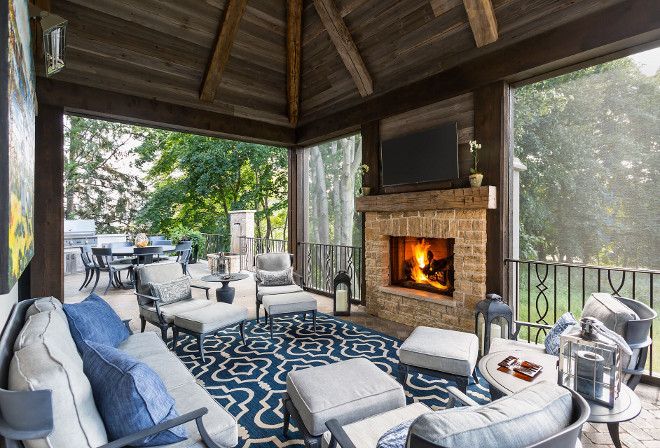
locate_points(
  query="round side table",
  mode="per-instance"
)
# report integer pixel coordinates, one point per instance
(226, 293)
(626, 407)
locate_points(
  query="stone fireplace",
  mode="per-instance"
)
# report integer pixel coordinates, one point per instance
(450, 225)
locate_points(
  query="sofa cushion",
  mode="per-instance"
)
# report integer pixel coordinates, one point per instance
(517, 420)
(47, 326)
(272, 290)
(319, 396)
(447, 351)
(273, 261)
(289, 303)
(367, 432)
(210, 318)
(172, 291)
(130, 395)
(552, 340)
(48, 365)
(46, 304)
(94, 320)
(220, 424)
(141, 345)
(171, 309)
(611, 312)
(276, 278)
(155, 273)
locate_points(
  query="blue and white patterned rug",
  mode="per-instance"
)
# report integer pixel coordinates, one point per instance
(248, 381)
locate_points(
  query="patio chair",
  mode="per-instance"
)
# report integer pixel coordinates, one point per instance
(125, 259)
(543, 415)
(90, 265)
(151, 309)
(161, 241)
(155, 238)
(183, 252)
(146, 255)
(112, 267)
(273, 261)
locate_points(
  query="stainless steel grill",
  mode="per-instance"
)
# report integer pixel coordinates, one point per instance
(77, 233)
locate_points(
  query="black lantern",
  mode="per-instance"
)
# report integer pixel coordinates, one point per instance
(492, 308)
(343, 294)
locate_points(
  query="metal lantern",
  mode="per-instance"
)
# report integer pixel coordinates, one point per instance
(53, 29)
(343, 294)
(493, 310)
(219, 264)
(589, 363)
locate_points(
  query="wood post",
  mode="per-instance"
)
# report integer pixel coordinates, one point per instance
(293, 202)
(47, 266)
(493, 129)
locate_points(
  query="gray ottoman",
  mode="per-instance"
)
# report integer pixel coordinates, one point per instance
(288, 304)
(447, 354)
(347, 391)
(209, 319)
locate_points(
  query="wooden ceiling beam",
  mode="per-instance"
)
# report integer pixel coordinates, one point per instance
(102, 104)
(294, 9)
(228, 31)
(334, 24)
(482, 21)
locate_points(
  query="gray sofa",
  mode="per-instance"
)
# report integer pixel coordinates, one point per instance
(45, 396)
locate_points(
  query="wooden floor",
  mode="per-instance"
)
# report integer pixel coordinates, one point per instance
(644, 431)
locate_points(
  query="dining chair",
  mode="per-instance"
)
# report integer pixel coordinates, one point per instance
(183, 252)
(89, 263)
(112, 267)
(146, 255)
(161, 242)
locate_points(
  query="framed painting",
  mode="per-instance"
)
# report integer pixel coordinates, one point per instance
(17, 144)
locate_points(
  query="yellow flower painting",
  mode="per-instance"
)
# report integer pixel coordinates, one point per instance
(19, 172)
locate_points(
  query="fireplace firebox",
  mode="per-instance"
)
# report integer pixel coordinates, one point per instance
(425, 264)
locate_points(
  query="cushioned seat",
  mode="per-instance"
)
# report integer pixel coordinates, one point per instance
(169, 311)
(347, 391)
(293, 303)
(220, 425)
(367, 432)
(447, 351)
(142, 344)
(211, 318)
(272, 290)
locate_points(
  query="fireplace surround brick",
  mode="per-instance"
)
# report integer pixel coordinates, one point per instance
(467, 227)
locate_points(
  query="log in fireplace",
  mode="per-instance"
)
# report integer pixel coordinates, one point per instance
(425, 264)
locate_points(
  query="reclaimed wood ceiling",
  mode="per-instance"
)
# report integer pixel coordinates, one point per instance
(161, 49)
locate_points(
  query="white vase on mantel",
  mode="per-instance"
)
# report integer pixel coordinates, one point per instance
(476, 179)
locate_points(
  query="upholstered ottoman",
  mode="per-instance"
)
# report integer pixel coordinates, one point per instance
(347, 391)
(447, 354)
(288, 304)
(210, 319)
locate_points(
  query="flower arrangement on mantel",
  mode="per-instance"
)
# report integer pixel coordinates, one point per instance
(475, 176)
(364, 168)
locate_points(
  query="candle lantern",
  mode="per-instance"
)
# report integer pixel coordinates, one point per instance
(219, 264)
(496, 315)
(343, 294)
(590, 363)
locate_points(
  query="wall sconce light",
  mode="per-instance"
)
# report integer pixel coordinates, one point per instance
(53, 28)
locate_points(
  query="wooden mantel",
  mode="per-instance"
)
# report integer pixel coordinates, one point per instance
(458, 198)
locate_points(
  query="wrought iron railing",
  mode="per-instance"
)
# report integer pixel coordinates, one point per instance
(321, 262)
(542, 291)
(212, 243)
(255, 246)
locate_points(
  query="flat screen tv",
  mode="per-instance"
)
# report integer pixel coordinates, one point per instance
(425, 156)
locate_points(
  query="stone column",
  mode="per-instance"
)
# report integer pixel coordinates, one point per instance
(242, 225)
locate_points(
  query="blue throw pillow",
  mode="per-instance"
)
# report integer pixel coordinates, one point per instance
(129, 395)
(94, 320)
(552, 340)
(395, 437)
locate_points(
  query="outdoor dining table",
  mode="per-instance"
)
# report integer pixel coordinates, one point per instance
(130, 250)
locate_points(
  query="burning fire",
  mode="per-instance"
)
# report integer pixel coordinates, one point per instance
(419, 256)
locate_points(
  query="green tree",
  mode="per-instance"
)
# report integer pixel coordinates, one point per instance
(100, 178)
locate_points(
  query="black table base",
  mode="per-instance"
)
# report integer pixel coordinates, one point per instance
(225, 294)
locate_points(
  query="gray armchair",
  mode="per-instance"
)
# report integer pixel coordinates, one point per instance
(543, 415)
(151, 309)
(274, 261)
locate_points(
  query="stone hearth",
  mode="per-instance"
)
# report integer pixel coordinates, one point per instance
(467, 226)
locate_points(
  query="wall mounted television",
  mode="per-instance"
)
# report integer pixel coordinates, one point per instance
(425, 156)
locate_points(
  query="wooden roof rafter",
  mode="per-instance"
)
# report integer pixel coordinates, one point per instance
(294, 10)
(341, 37)
(229, 29)
(481, 15)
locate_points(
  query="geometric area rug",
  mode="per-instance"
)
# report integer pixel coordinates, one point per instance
(248, 381)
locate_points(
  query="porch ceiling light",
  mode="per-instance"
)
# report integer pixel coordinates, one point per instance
(53, 28)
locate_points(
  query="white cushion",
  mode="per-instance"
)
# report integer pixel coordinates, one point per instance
(170, 310)
(447, 351)
(47, 327)
(272, 290)
(289, 303)
(611, 312)
(210, 318)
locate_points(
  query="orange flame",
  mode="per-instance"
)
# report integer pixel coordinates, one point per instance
(419, 256)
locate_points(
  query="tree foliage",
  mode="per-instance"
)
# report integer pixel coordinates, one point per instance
(590, 140)
(197, 180)
(100, 178)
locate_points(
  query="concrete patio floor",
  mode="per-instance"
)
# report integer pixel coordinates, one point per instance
(643, 431)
